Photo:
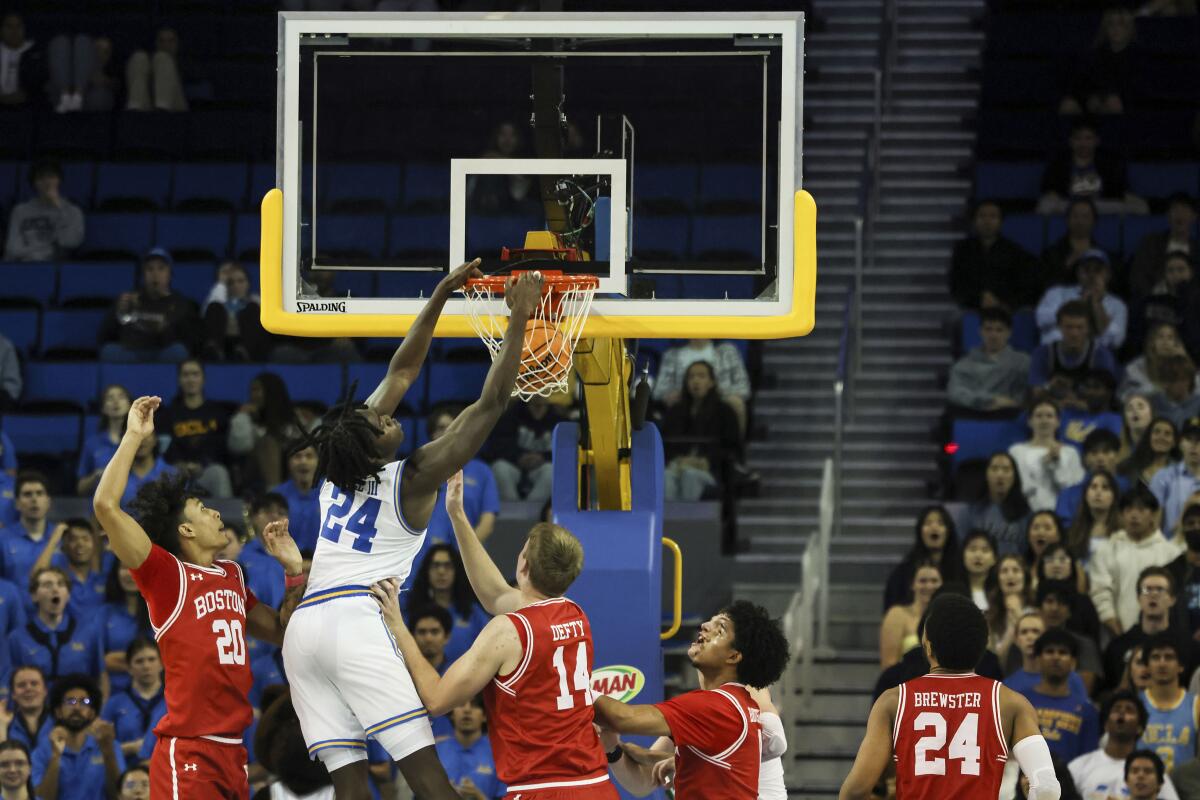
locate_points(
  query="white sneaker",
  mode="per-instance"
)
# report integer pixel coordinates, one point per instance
(77, 101)
(64, 103)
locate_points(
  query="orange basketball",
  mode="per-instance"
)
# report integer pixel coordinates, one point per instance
(547, 355)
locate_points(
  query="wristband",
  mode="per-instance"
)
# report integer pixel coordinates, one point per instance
(292, 581)
(615, 754)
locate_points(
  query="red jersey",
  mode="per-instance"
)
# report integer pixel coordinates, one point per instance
(540, 715)
(199, 619)
(948, 741)
(718, 743)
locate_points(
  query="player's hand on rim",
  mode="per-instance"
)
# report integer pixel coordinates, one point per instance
(387, 594)
(461, 274)
(140, 420)
(283, 547)
(524, 293)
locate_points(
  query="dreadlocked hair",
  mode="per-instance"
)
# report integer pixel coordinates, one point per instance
(345, 444)
(159, 508)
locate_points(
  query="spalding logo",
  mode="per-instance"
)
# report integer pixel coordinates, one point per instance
(620, 682)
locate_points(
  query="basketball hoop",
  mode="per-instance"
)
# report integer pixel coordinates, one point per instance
(550, 335)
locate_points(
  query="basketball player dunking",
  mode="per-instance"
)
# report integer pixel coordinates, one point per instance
(950, 731)
(533, 662)
(374, 511)
(201, 613)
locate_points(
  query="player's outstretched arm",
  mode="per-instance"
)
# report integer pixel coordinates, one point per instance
(625, 718)
(494, 593)
(635, 776)
(410, 355)
(434, 463)
(126, 537)
(874, 752)
(1029, 746)
(264, 622)
(467, 676)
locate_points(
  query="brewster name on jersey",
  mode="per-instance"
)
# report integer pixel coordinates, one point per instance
(220, 600)
(943, 700)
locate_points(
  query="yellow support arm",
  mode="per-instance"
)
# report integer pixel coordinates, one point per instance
(604, 372)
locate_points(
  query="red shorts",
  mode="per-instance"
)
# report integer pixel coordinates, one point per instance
(198, 769)
(597, 791)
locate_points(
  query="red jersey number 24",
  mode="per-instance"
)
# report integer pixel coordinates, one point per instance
(580, 678)
(964, 746)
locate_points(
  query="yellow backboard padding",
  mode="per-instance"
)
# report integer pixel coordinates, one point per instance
(797, 322)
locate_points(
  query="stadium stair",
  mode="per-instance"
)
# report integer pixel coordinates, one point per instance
(889, 455)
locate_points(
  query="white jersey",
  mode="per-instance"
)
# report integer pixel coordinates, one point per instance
(363, 537)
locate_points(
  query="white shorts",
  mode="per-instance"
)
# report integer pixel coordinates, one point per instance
(349, 681)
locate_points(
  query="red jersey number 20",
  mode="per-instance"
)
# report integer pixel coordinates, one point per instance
(231, 644)
(964, 745)
(580, 678)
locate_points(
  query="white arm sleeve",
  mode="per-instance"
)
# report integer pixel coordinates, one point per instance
(1034, 758)
(774, 740)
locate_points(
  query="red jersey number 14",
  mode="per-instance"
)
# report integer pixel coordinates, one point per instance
(580, 678)
(964, 745)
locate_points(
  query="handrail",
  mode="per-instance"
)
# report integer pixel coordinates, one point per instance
(677, 593)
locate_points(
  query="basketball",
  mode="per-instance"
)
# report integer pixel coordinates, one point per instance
(547, 354)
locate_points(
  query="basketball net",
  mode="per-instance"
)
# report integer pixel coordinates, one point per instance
(551, 333)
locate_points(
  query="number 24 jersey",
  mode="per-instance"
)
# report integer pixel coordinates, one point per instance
(199, 619)
(948, 741)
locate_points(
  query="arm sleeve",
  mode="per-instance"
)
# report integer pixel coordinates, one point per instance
(774, 739)
(705, 720)
(1033, 755)
(159, 579)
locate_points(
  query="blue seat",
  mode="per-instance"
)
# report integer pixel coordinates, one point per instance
(456, 381)
(201, 186)
(403, 283)
(724, 237)
(969, 336)
(359, 187)
(91, 280)
(486, 235)
(413, 235)
(730, 185)
(33, 283)
(142, 379)
(315, 382)
(230, 383)
(194, 280)
(20, 325)
(75, 329)
(978, 438)
(666, 187)
(247, 235)
(72, 382)
(1161, 180)
(120, 183)
(427, 187)
(1027, 230)
(368, 377)
(1008, 180)
(351, 235)
(194, 236)
(119, 233)
(660, 236)
(43, 434)
(1138, 227)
